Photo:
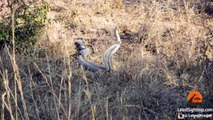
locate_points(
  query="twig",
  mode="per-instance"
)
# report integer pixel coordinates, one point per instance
(17, 78)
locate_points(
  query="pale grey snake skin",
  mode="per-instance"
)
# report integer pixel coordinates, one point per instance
(107, 56)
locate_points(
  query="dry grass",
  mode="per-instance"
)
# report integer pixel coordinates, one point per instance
(166, 51)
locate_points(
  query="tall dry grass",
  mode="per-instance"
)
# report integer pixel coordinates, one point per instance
(166, 52)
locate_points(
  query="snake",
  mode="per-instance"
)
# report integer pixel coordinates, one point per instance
(84, 52)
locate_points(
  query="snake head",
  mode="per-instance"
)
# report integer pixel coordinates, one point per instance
(80, 45)
(117, 34)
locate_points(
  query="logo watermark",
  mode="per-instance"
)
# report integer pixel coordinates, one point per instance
(194, 98)
(194, 113)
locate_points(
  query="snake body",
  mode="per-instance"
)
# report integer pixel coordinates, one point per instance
(107, 56)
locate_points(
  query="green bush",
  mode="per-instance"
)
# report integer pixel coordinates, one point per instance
(34, 22)
(4, 32)
(29, 24)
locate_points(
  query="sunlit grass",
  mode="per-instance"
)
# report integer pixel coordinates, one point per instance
(166, 52)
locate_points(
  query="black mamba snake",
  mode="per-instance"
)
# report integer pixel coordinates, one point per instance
(107, 56)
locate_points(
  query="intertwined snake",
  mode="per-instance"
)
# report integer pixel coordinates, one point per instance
(107, 56)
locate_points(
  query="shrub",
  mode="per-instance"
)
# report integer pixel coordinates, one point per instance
(29, 24)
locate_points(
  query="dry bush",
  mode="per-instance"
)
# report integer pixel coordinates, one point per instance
(166, 52)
